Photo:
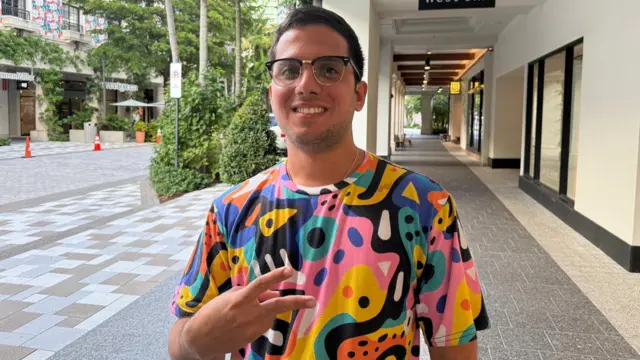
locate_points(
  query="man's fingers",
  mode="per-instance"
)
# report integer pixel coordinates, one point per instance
(284, 304)
(267, 281)
(268, 295)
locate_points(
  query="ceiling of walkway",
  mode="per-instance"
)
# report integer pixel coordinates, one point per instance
(456, 38)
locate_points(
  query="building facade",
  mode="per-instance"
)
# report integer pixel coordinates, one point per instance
(67, 26)
(543, 86)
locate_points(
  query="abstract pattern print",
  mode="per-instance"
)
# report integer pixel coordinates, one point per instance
(381, 252)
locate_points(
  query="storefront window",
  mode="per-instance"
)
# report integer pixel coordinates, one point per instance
(552, 121)
(575, 121)
(554, 118)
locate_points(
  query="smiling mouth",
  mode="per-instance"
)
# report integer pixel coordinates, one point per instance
(309, 110)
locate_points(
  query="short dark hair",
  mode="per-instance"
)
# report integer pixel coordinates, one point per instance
(314, 15)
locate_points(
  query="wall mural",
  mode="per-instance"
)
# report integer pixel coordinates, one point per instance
(94, 23)
(48, 13)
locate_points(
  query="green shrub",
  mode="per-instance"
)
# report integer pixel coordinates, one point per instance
(59, 137)
(5, 141)
(152, 131)
(199, 138)
(249, 145)
(77, 120)
(114, 122)
(169, 181)
(140, 126)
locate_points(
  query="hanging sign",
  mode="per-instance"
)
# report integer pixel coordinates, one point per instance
(22, 76)
(455, 4)
(454, 88)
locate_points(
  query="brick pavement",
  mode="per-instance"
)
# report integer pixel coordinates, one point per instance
(24, 179)
(16, 149)
(52, 295)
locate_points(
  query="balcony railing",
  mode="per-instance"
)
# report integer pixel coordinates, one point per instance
(15, 11)
(73, 26)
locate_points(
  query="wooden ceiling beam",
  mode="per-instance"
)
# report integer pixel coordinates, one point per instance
(434, 67)
(432, 74)
(434, 57)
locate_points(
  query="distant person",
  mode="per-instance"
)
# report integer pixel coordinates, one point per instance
(333, 253)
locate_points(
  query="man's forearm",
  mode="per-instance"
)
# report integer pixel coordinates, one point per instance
(467, 351)
(177, 348)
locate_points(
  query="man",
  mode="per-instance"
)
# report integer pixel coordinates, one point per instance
(333, 253)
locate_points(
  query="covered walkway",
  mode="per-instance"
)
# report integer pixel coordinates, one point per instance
(537, 308)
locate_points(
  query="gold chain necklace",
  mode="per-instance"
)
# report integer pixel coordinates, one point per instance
(353, 163)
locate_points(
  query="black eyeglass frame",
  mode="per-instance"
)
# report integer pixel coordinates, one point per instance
(345, 59)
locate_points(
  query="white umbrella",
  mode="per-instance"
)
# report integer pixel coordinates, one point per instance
(136, 103)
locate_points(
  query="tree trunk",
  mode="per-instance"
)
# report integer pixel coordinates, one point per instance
(171, 25)
(204, 15)
(238, 77)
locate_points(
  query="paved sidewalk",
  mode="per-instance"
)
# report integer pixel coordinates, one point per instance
(16, 149)
(34, 223)
(611, 288)
(43, 176)
(52, 295)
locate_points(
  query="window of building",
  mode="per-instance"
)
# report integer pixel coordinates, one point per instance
(71, 18)
(576, 92)
(553, 117)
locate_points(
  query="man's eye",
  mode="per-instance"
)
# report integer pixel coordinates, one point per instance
(289, 72)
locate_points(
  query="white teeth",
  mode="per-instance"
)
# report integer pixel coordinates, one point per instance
(309, 110)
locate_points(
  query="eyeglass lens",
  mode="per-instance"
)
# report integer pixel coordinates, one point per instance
(327, 71)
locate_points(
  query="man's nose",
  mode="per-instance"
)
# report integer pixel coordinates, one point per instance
(307, 84)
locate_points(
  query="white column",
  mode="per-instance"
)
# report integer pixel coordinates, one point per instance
(487, 107)
(427, 113)
(455, 119)
(384, 98)
(363, 18)
(4, 110)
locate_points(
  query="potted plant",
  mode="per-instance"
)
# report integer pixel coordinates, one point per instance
(141, 129)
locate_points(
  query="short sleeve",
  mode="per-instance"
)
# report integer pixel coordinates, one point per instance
(207, 273)
(450, 306)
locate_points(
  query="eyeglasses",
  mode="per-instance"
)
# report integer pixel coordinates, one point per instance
(328, 70)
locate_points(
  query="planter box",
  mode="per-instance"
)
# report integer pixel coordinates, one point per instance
(111, 137)
(76, 136)
(39, 135)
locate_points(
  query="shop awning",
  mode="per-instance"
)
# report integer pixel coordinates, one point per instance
(136, 103)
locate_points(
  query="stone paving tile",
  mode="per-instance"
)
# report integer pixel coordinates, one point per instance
(26, 225)
(73, 291)
(14, 352)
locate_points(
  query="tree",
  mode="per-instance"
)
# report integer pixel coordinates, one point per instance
(413, 106)
(171, 27)
(238, 50)
(204, 17)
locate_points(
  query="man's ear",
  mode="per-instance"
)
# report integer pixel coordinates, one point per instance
(361, 95)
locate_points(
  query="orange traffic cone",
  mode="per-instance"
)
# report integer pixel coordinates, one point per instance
(158, 136)
(96, 145)
(27, 148)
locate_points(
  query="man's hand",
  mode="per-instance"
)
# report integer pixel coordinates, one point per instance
(237, 317)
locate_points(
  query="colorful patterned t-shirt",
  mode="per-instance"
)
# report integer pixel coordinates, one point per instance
(381, 251)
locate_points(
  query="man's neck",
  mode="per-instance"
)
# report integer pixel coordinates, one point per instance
(325, 168)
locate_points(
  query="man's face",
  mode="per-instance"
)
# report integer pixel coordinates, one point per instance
(312, 115)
